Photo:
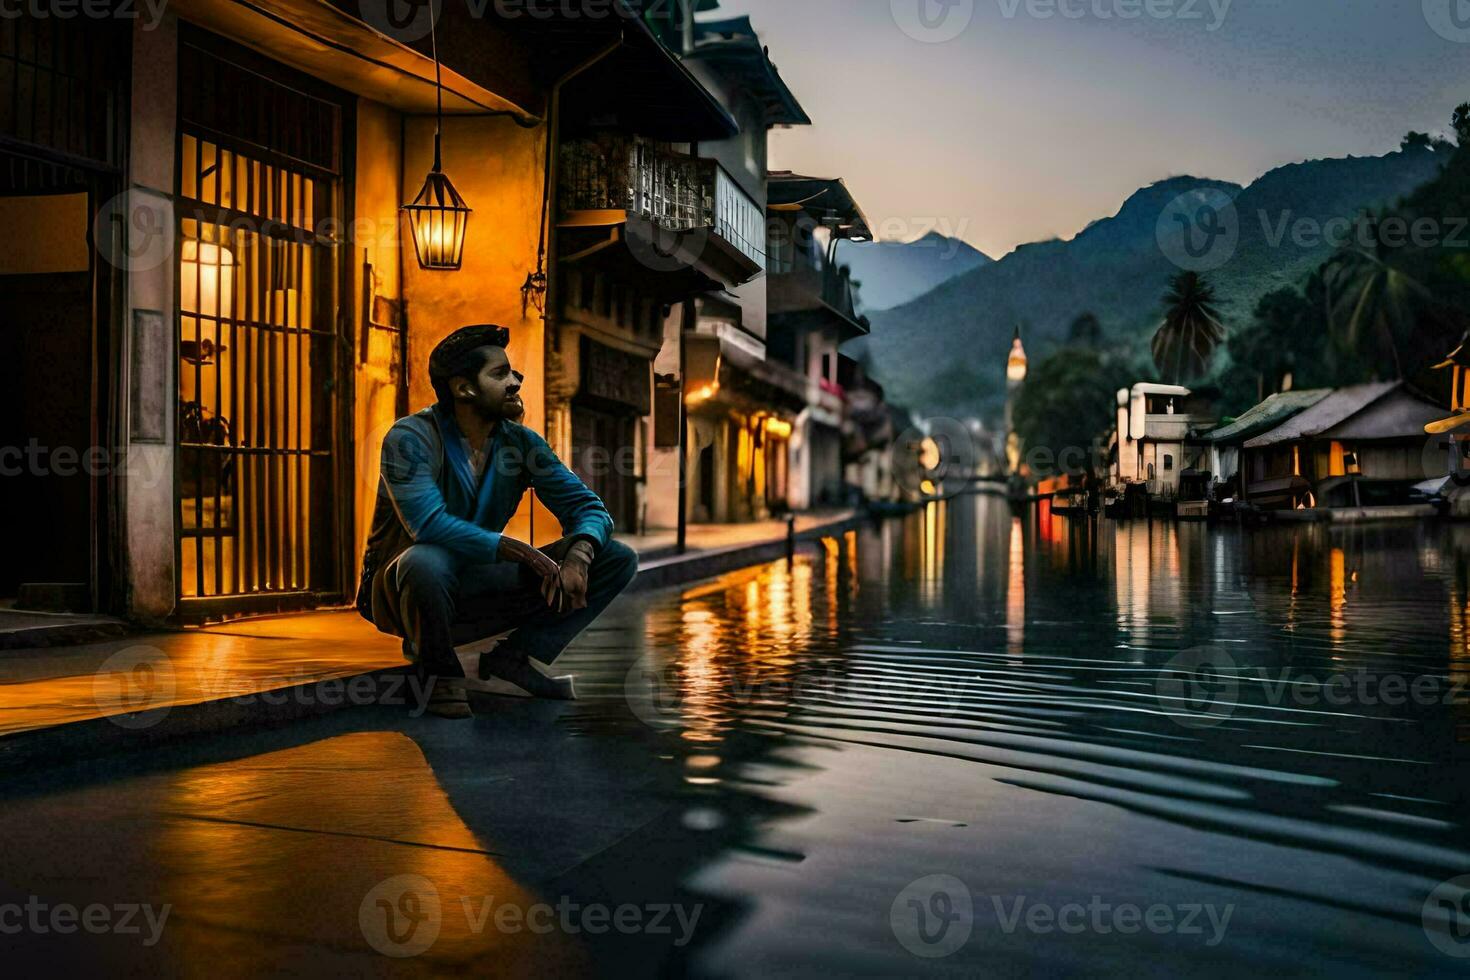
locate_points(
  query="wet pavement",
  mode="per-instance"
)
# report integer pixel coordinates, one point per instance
(966, 741)
(74, 671)
(156, 672)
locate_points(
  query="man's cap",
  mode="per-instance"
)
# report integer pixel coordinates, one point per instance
(449, 354)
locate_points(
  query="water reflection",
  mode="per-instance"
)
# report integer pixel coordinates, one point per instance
(724, 647)
(1007, 698)
(1033, 651)
(1127, 596)
(1016, 590)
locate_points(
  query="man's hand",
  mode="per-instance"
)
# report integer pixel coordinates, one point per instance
(563, 586)
(524, 554)
(574, 570)
(567, 589)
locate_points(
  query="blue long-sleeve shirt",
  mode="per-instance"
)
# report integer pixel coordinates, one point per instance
(433, 496)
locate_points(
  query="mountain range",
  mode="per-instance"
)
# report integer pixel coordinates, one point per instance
(944, 351)
(893, 273)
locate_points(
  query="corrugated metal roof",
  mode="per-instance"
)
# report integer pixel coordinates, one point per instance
(1268, 414)
(1333, 410)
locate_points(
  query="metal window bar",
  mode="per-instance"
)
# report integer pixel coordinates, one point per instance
(60, 84)
(611, 172)
(256, 432)
(640, 177)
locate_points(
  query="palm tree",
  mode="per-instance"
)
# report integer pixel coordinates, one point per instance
(1186, 340)
(1369, 301)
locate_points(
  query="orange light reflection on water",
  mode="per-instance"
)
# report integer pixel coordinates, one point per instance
(740, 636)
(1016, 590)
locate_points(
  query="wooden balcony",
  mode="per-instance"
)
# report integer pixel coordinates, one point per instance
(807, 296)
(675, 214)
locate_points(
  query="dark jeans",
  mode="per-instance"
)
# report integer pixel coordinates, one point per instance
(444, 602)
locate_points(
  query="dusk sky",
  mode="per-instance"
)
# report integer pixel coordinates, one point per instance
(1023, 128)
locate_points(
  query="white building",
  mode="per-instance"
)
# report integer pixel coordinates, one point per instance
(1154, 444)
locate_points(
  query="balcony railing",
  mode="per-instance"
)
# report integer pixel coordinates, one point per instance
(650, 180)
(801, 273)
(837, 290)
(738, 219)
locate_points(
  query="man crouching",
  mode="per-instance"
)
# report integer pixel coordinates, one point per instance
(438, 571)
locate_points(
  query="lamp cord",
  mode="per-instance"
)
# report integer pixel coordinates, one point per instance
(438, 90)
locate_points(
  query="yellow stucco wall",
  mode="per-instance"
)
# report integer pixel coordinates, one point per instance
(375, 239)
(499, 169)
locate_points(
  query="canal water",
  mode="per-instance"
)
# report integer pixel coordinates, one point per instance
(1021, 743)
(969, 741)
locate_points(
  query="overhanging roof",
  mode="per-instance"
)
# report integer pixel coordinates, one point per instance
(820, 197)
(743, 377)
(1268, 414)
(491, 64)
(326, 42)
(818, 316)
(1333, 410)
(643, 85)
(1401, 414)
(732, 47)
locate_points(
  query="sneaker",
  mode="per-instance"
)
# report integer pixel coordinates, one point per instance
(514, 675)
(448, 699)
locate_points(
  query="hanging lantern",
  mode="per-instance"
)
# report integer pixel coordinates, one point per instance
(438, 217)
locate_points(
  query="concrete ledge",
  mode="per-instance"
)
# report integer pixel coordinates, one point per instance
(1295, 516)
(1356, 515)
(62, 635)
(144, 729)
(662, 572)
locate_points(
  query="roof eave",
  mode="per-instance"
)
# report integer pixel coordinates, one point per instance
(724, 125)
(742, 54)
